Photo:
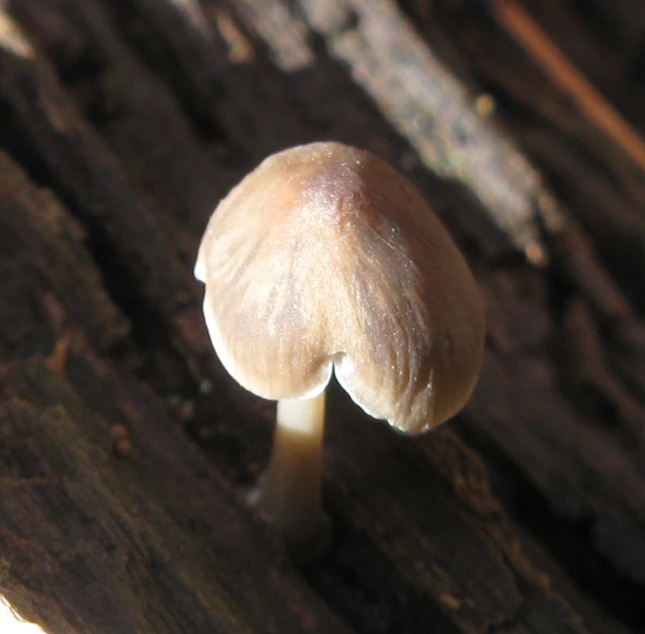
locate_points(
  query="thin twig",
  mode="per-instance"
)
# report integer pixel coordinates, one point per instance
(538, 45)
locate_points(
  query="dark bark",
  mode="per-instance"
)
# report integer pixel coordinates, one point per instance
(123, 444)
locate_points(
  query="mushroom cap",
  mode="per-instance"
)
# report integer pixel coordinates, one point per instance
(325, 258)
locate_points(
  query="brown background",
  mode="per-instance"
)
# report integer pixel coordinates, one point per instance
(123, 445)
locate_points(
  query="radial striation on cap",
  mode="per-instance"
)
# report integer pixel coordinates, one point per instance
(325, 259)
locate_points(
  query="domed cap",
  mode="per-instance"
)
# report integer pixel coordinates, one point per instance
(325, 258)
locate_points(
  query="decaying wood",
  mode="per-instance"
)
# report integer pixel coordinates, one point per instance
(123, 445)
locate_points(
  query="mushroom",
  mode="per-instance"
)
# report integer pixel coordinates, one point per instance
(325, 259)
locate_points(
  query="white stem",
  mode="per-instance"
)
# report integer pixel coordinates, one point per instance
(290, 492)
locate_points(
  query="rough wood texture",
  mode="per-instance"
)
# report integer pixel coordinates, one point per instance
(123, 444)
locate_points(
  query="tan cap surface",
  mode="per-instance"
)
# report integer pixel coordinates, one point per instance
(325, 257)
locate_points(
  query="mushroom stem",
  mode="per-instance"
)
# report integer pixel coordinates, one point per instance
(289, 496)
